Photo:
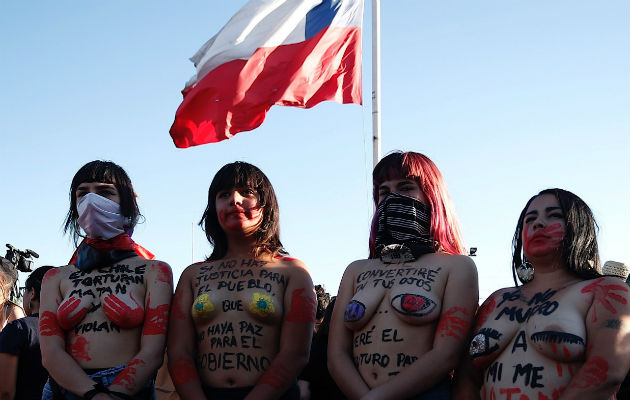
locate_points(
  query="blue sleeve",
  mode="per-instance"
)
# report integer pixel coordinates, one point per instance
(13, 338)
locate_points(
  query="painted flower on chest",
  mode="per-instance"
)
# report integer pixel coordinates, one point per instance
(202, 306)
(261, 304)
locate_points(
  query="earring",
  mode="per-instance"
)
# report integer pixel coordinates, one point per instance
(525, 272)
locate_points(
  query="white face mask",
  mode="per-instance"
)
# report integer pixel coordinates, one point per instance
(99, 217)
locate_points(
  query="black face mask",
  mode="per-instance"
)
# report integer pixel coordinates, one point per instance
(404, 225)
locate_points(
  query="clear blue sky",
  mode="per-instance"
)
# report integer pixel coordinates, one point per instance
(507, 98)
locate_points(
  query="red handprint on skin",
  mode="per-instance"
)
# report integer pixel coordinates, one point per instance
(164, 273)
(156, 320)
(486, 309)
(602, 294)
(183, 371)
(593, 373)
(48, 325)
(303, 308)
(122, 314)
(452, 325)
(127, 377)
(69, 313)
(79, 347)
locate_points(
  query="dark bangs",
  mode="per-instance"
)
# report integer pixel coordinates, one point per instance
(240, 175)
(243, 175)
(106, 172)
(390, 167)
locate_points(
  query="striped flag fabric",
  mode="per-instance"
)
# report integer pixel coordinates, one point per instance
(272, 52)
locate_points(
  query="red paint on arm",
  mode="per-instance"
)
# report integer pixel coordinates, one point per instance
(177, 308)
(121, 313)
(164, 273)
(277, 376)
(51, 272)
(79, 347)
(48, 325)
(69, 313)
(452, 325)
(127, 377)
(594, 372)
(303, 308)
(485, 310)
(156, 319)
(603, 294)
(183, 371)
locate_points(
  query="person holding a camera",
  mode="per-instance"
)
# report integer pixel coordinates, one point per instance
(23, 376)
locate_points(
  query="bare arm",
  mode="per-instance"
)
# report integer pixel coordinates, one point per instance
(468, 377)
(181, 341)
(9, 367)
(15, 312)
(52, 340)
(340, 363)
(608, 332)
(300, 305)
(459, 303)
(156, 308)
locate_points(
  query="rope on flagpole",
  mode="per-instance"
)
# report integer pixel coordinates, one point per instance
(376, 81)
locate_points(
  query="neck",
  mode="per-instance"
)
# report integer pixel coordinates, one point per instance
(240, 247)
(34, 309)
(554, 276)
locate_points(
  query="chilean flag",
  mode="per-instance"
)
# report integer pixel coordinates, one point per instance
(286, 52)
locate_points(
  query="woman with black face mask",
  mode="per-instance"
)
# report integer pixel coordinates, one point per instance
(402, 316)
(104, 317)
(23, 376)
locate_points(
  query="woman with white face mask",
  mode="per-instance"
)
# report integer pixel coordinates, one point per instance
(104, 316)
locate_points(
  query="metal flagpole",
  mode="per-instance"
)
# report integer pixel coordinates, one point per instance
(376, 81)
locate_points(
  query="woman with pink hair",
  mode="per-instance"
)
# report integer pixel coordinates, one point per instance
(402, 316)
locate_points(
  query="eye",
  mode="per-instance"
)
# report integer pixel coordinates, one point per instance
(556, 215)
(223, 195)
(249, 192)
(529, 219)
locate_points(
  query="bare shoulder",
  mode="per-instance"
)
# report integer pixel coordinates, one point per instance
(53, 275)
(605, 290)
(460, 265)
(192, 270)
(292, 267)
(362, 265)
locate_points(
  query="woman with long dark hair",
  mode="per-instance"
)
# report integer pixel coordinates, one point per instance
(104, 317)
(565, 332)
(242, 320)
(402, 316)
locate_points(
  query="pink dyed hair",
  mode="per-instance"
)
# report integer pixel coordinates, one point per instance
(418, 167)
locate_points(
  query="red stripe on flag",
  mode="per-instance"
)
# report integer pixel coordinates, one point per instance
(235, 96)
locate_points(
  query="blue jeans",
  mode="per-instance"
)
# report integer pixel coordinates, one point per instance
(52, 390)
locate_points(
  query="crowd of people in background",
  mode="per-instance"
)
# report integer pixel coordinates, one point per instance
(248, 323)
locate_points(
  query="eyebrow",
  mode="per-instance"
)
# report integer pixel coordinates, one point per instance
(548, 209)
(99, 186)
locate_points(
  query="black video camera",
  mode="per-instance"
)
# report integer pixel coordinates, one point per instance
(21, 259)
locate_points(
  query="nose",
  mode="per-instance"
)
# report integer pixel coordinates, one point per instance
(539, 223)
(236, 198)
